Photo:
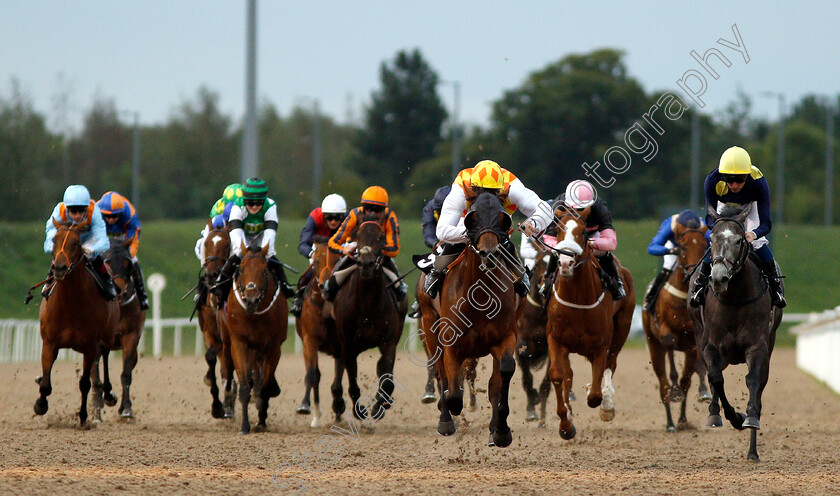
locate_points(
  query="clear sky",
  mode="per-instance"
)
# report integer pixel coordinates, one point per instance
(149, 56)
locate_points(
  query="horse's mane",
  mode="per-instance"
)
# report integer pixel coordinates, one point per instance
(255, 248)
(730, 211)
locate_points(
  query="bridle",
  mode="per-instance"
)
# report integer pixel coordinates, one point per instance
(367, 250)
(688, 269)
(72, 264)
(214, 258)
(733, 268)
(239, 291)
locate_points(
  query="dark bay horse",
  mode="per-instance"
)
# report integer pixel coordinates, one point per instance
(75, 316)
(738, 322)
(583, 318)
(477, 318)
(128, 332)
(366, 317)
(532, 347)
(213, 328)
(317, 332)
(257, 322)
(672, 329)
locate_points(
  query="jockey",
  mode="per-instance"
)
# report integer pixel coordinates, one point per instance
(600, 232)
(78, 209)
(374, 207)
(664, 244)
(485, 176)
(253, 218)
(322, 223)
(737, 182)
(431, 214)
(219, 216)
(121, 220)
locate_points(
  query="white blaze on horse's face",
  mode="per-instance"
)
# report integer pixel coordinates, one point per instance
(216, 239)
(726, 247)
(565, 261)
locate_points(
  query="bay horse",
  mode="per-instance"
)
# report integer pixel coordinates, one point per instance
(738, 322)
(128, 332)
(366, 316)
(532, 347)
(429, 317)
(213, 329)
(477, 318)
(257, 322)
(76, 316)
(583, 318)
(317, 333)
(672, 329)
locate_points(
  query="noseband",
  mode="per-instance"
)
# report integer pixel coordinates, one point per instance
(240, 291)
(74, 263)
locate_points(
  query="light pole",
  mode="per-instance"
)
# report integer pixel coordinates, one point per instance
(695, 159)
(453, 126)
(780, 157)
(316, 151)
(250, 143)
(829, 162)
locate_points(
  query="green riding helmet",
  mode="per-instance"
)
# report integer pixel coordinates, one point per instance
(255, 189)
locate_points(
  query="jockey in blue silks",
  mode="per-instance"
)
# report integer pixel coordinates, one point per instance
(664, 244)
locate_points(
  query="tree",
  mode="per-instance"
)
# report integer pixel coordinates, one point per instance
(403, 123)
(564, 115)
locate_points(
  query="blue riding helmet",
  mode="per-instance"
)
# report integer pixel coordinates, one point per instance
(76, 195)
(688, 218)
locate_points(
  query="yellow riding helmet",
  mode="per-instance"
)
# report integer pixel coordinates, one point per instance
(375, 195)
(487, 174)
(735, 160)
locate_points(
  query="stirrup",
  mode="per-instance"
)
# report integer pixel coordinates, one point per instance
(698, 298)
(432, 284)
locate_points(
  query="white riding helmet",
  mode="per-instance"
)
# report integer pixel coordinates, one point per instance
(334, 204)
(580, 194)
(76, 195)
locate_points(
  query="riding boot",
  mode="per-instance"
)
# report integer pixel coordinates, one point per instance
(653, 291)
(433, 282)
(701, 284)
(201, 290)
(225, 280)
(777, 293)
(108, 288)
(414, 312)
(297, 303)
(331, 286)
(139, 285)
(400, 288)
(277, 269)
(46, 289)
(613, 279)
(548, 278)
(523, 285)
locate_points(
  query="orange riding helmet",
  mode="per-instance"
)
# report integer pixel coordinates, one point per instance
(375, 195)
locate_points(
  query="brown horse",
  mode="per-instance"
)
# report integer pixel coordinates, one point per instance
(257, 321)
(428, 317)
(366, 316)
(216, 252)
(477, 318)
(583, 318)
(75, 316)
(128, 333)
(317, 331)
(671, 327)
(532, 347)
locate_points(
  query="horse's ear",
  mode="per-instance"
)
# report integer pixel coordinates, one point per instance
(470, 220)
(505, 221)
(264, 251)
(704, 228)
(210, 224)
(469, 193)
(742, 215)
(127, 242)
(712, 213)
(242, 247)
(679, 229)
(56, 223)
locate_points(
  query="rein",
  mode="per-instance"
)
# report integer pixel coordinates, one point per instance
(239, 290)
(61, 250)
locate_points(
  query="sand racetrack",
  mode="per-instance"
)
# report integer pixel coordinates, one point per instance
(174, 446)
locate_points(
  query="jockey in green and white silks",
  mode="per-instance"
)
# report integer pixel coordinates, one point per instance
(253, 220)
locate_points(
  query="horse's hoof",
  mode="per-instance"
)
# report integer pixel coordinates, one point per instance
(217, 410)
(531, 416)
(704, 397)
(569, 434)
(244, 433)
(360, 412)
(228, 413)
(753, 457)
(572, 396)
(303, 410)
(542, 424)
(38, 380)
(670, 429)
(127, 415)
(260, 428)
(446, 428)
(316, 422)
(676, 395)
(752, 423)
(594, 401)
(607, 415)
(110, 399)
(428, 398)
(455, 405)
(714, 421)
(501, 439)
(207, 381)
(738, 421)
(378, 412)
(41, 406)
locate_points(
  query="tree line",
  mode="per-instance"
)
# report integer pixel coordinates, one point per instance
(578, 110)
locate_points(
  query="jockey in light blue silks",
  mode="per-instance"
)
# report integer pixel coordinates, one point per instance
(78, 209)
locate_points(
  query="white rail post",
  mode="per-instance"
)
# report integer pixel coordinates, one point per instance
(199, 341)
(156, 284)
(177, 343)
